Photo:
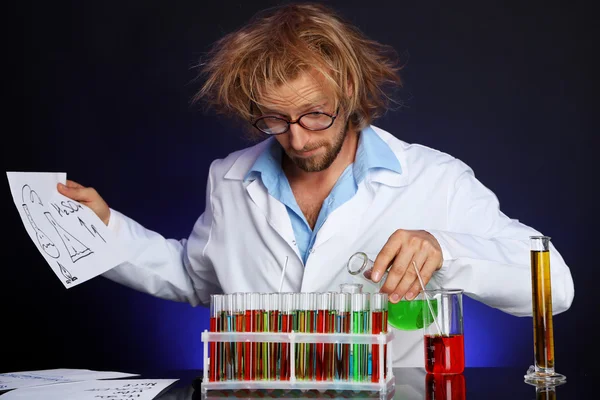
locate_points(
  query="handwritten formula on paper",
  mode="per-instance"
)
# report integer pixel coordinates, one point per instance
(91, 390)
(73, 240)
(21, 379)
(126, 391)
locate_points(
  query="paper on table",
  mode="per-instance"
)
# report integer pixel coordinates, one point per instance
(12, 380)
(92, 390)
(69, 235)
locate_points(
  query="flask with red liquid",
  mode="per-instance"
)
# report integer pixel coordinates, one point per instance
(443, 331)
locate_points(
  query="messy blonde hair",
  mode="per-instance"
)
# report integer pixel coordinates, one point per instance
(280, 43)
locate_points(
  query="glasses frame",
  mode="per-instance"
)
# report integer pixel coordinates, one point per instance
(297, 121)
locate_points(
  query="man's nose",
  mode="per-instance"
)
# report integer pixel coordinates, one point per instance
(298, 137)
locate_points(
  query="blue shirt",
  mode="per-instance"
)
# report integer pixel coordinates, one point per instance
(372, 152)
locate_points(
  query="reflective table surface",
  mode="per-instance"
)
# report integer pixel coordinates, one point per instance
(411, 384)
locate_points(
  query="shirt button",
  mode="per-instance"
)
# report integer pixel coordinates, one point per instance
(294, 242)
(312, 250)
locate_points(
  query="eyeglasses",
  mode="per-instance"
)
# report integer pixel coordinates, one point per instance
(312, 121)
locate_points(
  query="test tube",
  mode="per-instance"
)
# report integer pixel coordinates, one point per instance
(342, 325)
(287, 309)
(228, 349)
(379, 304)
(366, 297)
(253, 324)
(329, 359)
(312, 347)
(543, 370)
(301, 354)
(324, 300)
(297, 308)
(239, 326)
(296, 328)
(263, 348)
(359, 360)
(351, 287)
(216, 306)
(274, 348)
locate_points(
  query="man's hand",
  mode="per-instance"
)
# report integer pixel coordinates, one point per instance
(401, 250)
(86, 196)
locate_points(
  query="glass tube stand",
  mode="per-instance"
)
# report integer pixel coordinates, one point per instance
(385, 385)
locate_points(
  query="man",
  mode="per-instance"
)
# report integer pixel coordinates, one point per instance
(288, 212)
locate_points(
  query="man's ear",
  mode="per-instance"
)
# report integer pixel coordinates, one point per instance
(350, 88)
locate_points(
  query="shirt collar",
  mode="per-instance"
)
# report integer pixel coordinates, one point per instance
(372, 153)
(267, 165)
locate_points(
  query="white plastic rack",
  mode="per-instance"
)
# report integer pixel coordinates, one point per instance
(385, 385)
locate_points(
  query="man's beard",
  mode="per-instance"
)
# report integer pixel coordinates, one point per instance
(322, 162)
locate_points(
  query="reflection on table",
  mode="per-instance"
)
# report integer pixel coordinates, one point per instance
(413, 384)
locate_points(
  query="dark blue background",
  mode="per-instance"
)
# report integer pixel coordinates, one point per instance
(101, 91)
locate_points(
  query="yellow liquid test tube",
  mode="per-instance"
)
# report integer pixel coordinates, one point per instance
(542, 372)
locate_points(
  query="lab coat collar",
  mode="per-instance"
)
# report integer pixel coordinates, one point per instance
(247, 158)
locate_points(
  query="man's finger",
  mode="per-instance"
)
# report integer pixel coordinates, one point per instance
(397, 274)
(81, 193)
(386, 256)
(410, 275)
(73, 184)
(426, 273)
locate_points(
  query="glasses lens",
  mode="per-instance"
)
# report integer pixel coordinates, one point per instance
(316, 121)
(272, 125)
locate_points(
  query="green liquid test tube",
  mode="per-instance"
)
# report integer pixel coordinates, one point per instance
(357, 327)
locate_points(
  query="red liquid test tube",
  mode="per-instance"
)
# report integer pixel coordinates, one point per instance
(324, 300)
(379, 305)
(216, 306)
(252, 324)
(342, 325)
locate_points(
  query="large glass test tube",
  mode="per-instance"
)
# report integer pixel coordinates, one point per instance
(542, 372)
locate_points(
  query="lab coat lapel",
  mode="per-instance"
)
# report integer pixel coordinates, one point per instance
(345, 215)
(343, 220)
(274, 211)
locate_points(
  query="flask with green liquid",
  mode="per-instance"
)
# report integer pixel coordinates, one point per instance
(406, 315)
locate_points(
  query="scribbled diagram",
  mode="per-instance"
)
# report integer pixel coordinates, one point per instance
(44, 241)
(75, 248)
(94, 232)
(66, 274)
(70, 237)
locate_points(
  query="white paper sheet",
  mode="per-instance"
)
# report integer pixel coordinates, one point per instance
(73, 240)
(140, 389)
(12, 380)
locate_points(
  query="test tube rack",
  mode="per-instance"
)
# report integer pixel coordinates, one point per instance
(385, 386)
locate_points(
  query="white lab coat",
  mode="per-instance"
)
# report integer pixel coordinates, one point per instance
(241, 241)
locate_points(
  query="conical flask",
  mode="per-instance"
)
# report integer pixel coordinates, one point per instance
(405, 315)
